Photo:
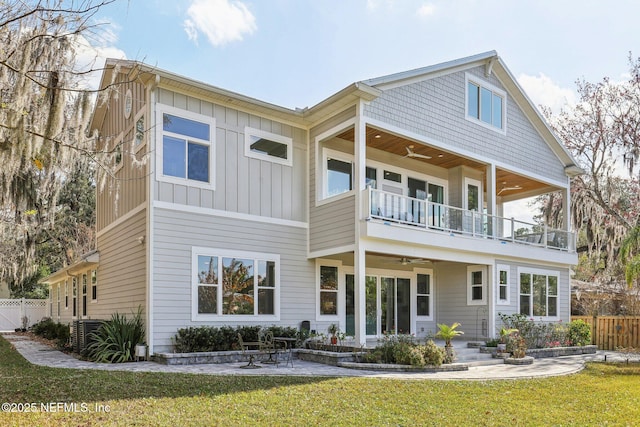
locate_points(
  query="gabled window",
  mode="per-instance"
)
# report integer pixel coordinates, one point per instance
(268, 146)
(486, 104)
(185, 147)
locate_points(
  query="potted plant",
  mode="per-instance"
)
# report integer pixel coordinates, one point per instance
(447, 333)
(333, 329)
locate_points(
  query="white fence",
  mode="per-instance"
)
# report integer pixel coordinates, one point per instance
(12, 311)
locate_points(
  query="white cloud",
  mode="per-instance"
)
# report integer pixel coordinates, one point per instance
(91, 54)
(426, 10)
(221, 21)
(544, 91)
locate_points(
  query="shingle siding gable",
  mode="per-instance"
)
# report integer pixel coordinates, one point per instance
(435, 108)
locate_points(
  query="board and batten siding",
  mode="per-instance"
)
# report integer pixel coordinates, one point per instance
(122, 270)
(332, 224)
(242, 184)
(177, 232)
(126, 190)
(435, 108)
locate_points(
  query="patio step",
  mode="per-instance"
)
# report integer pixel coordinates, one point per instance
(471, 356)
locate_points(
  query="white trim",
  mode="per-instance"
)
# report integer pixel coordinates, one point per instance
(539, 271)
(499, 268)
(133, 212)
(226, 253)
(211, 145)
(331, 251)
(383, 126)
(414, 296)
(157, 204)
(494, 90)
(328, 153)
(320, 185)
(470, 270)
(150, 224)
(285, 140)
(140, 114)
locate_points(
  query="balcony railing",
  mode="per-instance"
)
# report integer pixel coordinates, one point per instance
(395, 208)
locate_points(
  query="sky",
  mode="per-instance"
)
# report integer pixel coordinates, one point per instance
(296, 53)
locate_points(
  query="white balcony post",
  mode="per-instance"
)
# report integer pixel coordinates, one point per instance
(544, 236)
(513, 230)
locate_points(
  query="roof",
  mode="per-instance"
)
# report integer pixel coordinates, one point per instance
(366, 90)
(89, 260)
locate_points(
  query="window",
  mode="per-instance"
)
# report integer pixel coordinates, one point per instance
(423, 295)
(328, 290)
(503, 284)
(138, 140)
(66, 294)
(485, 103)
(538, 293)
(74, 301)
(476, 285)
(268, 146)
(117, 152)
(371, 175)
(84, 295)
(339, 176)
(94, 285)
(392, 176)
(58, 289)
(186, 148)
(234, 284)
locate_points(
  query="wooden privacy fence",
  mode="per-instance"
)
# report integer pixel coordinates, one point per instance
(613, 332)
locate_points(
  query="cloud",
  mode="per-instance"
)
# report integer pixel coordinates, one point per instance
(221, 21)
(91, 54)
(544, 91)
(426, 10)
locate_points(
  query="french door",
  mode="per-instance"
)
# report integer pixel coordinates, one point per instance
(387, 305)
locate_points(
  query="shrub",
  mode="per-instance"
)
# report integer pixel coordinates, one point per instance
(579, 332)
(51, 330)
(115, 339)
(432, 354)
(224, 338)
(516, 345)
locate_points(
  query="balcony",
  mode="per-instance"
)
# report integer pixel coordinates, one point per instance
(393, 208)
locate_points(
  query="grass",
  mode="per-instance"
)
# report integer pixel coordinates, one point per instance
(602, 394)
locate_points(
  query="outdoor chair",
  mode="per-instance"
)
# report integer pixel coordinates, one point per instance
(268, 347)
(247, 354)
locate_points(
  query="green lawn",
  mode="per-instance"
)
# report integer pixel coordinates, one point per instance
(600, 395)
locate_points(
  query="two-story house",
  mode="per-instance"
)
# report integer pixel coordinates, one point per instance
(379, 209)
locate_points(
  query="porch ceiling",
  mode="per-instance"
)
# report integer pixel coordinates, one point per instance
(508, 184)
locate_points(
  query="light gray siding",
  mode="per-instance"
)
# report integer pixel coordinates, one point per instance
(122, 270)
(175, 234)
(435, 108)
(244, 185)
(331, 225)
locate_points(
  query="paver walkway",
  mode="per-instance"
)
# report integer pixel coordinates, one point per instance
(40, 354)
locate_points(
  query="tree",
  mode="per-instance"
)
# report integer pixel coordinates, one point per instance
(44, 113)
(603, 133)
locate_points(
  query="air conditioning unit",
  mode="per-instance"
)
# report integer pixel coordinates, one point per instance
(80, 333)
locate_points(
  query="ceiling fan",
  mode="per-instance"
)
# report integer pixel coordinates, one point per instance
(515, 187)
(412, 154)
(407, 261)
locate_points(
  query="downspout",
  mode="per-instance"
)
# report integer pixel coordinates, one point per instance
(151, 140)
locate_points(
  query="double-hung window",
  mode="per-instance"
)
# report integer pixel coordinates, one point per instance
(476, 285)
(485, 103)
(538, 293)
(503, 284)
(424, 296)
(328, 290)
(234, 284)
(186, 147)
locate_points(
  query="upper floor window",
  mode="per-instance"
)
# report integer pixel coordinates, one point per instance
(268, 146)
(485, 103)
(338, 173)
(186, 147)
